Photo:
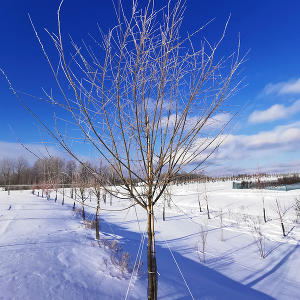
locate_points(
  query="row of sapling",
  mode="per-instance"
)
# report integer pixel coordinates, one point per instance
(145, 90)
(255, 226)
(83, 183)
(80, 185)
(81, 188)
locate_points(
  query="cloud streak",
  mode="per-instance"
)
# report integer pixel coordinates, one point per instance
(217, 121)
(291, 87)
(275, 112)
(15, 150)
(245, 151)
(286, 137)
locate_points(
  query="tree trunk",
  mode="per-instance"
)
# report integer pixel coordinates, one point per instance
(151, 258)
(280, 217)
(221, 225)
(97, 220)
(264, 210)
(208, 214)
(200, 208)
(83, 213)
(265, 218)
(283, 230)
(8, 189)
(74, 205)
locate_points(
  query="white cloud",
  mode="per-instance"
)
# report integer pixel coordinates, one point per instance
(281, 137)
(15, 150)
(282, 167)
(246, 150)
(283, 88)
(275, 112)
(217, 121)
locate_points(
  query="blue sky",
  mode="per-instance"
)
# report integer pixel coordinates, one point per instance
(267, 132)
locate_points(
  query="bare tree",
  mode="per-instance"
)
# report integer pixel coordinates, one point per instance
(206, 200)
(281, 212)
(199, 203)
(151, 105)
(21, 169)
(221, 225)
(264, 209)
(7, 167)
(258, 236)
(297, 209)
(83, 183)
(96, 190)
(202, 245)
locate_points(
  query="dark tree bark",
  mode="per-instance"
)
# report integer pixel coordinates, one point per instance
(200, 208)
(83, 213)
(151, 258)
(97, 224)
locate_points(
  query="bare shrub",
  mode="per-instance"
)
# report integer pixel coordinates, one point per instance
(281, 212)
(221, 225)
(297, 209)
(121, 260)
(119, 257)
(90, 224)
(77, 212)
(201, 246)
(258, 237)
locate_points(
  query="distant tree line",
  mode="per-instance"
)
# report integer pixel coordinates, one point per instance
(66, 172)
(52, 170)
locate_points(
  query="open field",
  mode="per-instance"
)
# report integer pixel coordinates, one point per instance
(46, 251)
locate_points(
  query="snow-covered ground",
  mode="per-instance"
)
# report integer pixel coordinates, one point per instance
(46, 252)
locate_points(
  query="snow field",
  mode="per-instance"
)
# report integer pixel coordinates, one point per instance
(44, 244)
